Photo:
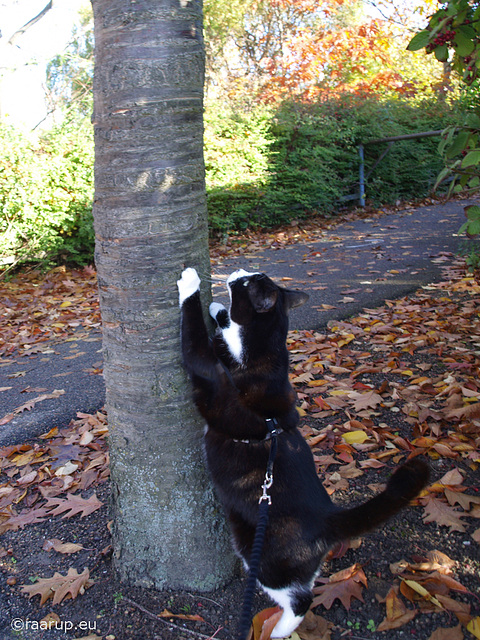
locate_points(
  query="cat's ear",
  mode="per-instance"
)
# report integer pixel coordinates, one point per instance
(295, 298)
(263, 300)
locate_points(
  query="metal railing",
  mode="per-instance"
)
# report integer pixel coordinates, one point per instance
(391, 140)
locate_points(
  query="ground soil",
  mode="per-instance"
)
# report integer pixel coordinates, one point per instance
(109, 610)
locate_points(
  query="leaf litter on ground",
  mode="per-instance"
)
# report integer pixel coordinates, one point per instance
(392, 383)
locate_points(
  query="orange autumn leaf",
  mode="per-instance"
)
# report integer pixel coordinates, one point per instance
(343, 585)
(397, 613)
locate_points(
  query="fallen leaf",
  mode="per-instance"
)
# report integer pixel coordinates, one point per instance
(343, 585)
(452, 633)
(264, 622)
(440, 512)
(73, 504)
(397, 613)
(314, 627)
(474, 627)
(181, 616)
(61, 547)
(59, 587)
(355, 437)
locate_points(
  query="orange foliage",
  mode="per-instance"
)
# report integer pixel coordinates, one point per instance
(297, 48)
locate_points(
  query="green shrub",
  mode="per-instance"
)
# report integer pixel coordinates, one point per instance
(46, 191)
(268, 167)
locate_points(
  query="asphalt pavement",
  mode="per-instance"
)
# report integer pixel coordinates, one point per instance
(353, 266)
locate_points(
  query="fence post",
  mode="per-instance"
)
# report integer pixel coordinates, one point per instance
(362, 176)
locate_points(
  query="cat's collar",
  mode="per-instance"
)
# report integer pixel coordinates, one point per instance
(273, 431)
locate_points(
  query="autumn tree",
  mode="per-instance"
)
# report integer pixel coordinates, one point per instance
(150, 220)
(276, 49)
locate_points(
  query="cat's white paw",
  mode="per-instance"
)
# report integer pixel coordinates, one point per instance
(188, 284)
(215, 309)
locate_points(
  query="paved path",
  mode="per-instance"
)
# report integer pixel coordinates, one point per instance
(353, 266)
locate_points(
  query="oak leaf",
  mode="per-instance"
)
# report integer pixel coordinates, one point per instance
(440, 512)
(73, 504)
(31, 516)
(343, 585)
(60, 587)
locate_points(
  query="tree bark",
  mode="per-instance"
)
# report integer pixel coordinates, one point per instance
(150, 221)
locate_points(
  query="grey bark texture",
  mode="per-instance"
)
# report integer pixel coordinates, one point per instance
(150, 221)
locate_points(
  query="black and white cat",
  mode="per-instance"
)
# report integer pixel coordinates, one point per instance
(240, 380)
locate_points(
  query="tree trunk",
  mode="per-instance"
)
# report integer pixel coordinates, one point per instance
(150, 221)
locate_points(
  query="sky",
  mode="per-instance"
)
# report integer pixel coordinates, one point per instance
(23, 63)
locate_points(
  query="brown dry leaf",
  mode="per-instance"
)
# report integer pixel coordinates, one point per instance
(476, 535)
(61, 547)
(397, 613)
(28, 406)
(31, 516)
(453, 633)
(440, 512)
(314, 627)
(181, 616)
(51, 619)
(74, 504)
(60, 587)
(451, 478)
(460, 609)
(469, 412)
(463, 499)
(343, 585)
(264, 622)
(368, 400)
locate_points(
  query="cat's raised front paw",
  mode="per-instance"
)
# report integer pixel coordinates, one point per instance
(188, 284)
(215, 309)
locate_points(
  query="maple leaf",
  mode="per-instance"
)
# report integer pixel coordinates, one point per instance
(73, 504)
(59, 587)
(343, 585)
(440, 512)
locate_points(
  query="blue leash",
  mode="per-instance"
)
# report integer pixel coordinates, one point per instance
(262, 521)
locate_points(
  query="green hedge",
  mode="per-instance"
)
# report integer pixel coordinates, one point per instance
(303, 159)
(46, 191)
(264, 167)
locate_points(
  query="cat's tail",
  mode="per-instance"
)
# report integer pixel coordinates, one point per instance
(404, 485)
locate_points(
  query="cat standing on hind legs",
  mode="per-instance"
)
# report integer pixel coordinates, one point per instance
(240, 380)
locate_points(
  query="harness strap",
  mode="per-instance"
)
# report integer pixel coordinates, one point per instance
(264, 502)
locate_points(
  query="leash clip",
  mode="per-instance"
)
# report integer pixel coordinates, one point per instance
(266, 485)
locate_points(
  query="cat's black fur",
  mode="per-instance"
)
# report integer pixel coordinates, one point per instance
(240, 378)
